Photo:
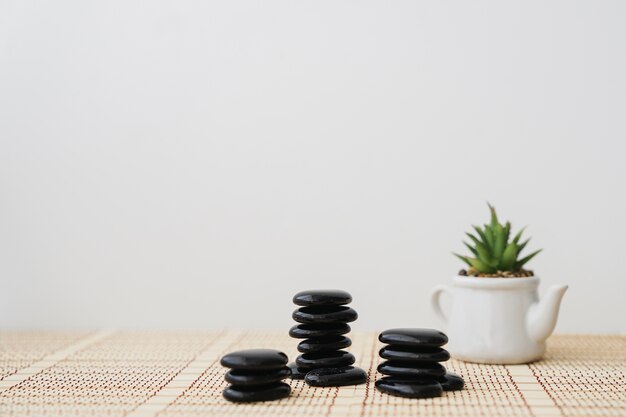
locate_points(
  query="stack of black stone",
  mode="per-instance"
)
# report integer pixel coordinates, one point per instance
(256, 375)
(412, 364)
(324, 317)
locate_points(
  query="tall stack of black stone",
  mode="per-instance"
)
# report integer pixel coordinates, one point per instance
(323, 319)
(413, 365)
(256, 375)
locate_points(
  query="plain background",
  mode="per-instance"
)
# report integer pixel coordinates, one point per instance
(193, 164)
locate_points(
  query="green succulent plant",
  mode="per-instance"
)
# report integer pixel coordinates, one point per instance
(492, 250)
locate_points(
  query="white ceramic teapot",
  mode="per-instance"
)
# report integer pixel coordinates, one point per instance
(498, 320)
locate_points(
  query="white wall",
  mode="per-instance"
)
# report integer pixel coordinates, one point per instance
(193, 164)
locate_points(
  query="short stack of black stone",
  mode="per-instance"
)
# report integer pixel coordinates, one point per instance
(256, 375)
(412, 366)
(324, 317)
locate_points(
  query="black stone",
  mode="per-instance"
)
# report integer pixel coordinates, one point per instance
(411, 369)
(325, 314)
(414, 337)
(320, 344)
(409, 388)
(451, 382)
(412, 354)
(336, 377)
(254, 378)
(334, 359)
(255, 359)
(322, 297)
(269, 392)
(306, 331)
(297, 372)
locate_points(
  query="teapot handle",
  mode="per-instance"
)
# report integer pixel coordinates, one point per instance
(435, 301)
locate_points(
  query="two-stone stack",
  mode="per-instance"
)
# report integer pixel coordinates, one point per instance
(413, 365)
(323, 319)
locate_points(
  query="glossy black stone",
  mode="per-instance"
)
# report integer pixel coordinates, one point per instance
(255, 378)
(255, 359)
(414, 337)
(333, 359)
(306, 331)
(322, 297)
(321, 344)
(269, 392)
(413, 354)
(297, 372)
(408, 388)
(324, 314)
(336, 377)
(451, 382)
(411, 369)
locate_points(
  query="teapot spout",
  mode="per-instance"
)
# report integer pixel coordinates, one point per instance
(542, 315)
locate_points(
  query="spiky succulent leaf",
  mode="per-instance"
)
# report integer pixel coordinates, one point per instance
(489, 236)
(519, 264)
(474, 238)
(508, 257)
(500, 243)
(463, 258)
(519, 235)
(481, 234)
(493, 250)
(494, 216)
(481, 266)
(507, 231)
(471, 248)
(484, 255)
(522, 246)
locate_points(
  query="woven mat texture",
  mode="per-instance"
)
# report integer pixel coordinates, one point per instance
(165, 374)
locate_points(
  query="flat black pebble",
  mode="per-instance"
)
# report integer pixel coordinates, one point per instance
(451, 382)
(412, 354)
(325, 314)
(414, 337)
(334, 359)
(409, 388)
(409, 369)
(270, 392)
(255, 359)
(297, 372)
(322, 297)
(252, 378)
(336, 377)
(320, 344)
(306, 331)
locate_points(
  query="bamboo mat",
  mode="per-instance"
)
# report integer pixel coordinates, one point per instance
(178, 374)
